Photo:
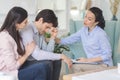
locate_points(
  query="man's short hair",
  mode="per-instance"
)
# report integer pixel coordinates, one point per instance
(48, 16)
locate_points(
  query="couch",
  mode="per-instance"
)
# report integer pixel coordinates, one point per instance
(112, 29)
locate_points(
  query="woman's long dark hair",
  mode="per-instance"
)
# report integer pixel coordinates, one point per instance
(14, 16)
(98, 16)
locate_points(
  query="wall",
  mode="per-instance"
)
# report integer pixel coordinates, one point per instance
(102, 4)
(6, 5)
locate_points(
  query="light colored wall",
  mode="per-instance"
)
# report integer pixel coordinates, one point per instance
(102, 4)
(6, 5)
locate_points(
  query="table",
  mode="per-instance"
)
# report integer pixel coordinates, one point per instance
(76, 75)
(4, 76)
(111, 74)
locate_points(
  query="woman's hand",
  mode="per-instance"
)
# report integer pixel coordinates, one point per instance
(67, 60)
(29, 48)
(57, 40)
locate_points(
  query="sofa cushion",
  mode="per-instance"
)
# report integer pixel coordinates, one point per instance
(77, 50)
(116, 53)
(110, 30)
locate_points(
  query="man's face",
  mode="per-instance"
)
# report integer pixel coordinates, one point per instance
(46, 26)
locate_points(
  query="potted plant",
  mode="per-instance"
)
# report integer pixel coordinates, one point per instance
(60, 48)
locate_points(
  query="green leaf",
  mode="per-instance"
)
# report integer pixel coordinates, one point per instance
(60, 48)
(47, 35)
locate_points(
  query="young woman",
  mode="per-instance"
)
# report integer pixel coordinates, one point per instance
(94, 39)
(12, 52)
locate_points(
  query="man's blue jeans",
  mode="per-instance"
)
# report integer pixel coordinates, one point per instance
(33, 72)
(53, 68)
(56, 69)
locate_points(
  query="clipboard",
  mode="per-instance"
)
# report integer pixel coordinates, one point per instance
(74, 61)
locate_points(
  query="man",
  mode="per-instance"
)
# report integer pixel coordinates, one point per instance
(34, 31)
